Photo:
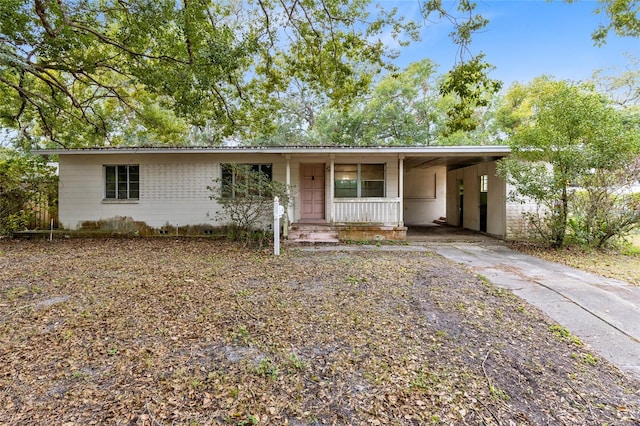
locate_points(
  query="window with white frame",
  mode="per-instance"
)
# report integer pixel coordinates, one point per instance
(359, 180)
(484, 183)
(122, 182)
(239, 180)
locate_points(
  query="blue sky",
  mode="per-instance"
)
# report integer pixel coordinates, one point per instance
(526, 39)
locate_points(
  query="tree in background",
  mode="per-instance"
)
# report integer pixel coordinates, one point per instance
(404, 108)
(621, 86)
(607, 206)
(568, 146)
(472, 89)
(26, 185)
(604, 208)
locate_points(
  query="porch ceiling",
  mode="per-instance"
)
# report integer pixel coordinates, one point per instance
(451, 162)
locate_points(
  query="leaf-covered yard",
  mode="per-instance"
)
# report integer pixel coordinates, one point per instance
(172, 331)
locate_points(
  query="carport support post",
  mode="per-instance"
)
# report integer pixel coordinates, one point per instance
(332, 171)
(401, 189)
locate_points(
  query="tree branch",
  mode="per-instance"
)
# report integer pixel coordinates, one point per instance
(42, 14)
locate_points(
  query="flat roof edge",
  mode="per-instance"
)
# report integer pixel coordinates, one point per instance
(410, 150)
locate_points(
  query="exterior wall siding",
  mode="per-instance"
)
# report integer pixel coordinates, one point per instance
(471, 213)
(496, 199)
(425, 195)
(173, 188)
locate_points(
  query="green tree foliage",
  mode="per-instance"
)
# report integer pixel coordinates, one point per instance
(26, 184)
(472, 89)
(82, 72)
(604, 208)
(623, 18)
(564, 137)
(408, 107)
(90, 72)
(403, 108)
(468, 83)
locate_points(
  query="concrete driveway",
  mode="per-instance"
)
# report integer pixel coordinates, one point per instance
(602, 312)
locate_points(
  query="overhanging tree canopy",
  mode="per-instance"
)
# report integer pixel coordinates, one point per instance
(78, 72)
(90, 72)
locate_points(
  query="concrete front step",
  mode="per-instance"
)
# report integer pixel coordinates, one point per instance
(324, 237)
(312, 234)
(312, 242)
(310, 227)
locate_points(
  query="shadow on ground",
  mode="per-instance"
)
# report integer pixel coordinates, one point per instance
(444, 233)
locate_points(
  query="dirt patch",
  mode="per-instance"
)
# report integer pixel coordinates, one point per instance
(163, 331)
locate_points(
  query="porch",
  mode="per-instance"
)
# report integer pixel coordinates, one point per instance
(385, 212)
(375, 196)
(354, 219)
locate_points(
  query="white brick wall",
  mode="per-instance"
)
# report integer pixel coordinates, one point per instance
(517, 224)
(177, 181)
(173, 188)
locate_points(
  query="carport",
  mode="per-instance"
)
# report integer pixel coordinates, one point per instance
(457, 186)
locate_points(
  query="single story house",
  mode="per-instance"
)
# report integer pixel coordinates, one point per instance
(379, 191)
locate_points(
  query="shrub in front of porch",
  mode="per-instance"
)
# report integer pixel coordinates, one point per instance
(245, 199)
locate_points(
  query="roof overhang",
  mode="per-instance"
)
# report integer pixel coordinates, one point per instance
(414, 156)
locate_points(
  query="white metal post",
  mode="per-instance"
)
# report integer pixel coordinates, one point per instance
(278, 211)
(276, 227)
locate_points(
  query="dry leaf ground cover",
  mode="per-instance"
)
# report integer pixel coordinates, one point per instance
(168, 331)
(622, 264)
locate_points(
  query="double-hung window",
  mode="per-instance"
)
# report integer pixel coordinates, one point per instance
(122, 182)
(243, 180)
(359, 180)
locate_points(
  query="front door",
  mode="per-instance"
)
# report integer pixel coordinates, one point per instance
(312, 176)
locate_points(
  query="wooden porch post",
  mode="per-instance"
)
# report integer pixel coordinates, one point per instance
(332, 188)
(401, 188)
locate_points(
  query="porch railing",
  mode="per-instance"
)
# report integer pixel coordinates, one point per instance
(375, 211)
